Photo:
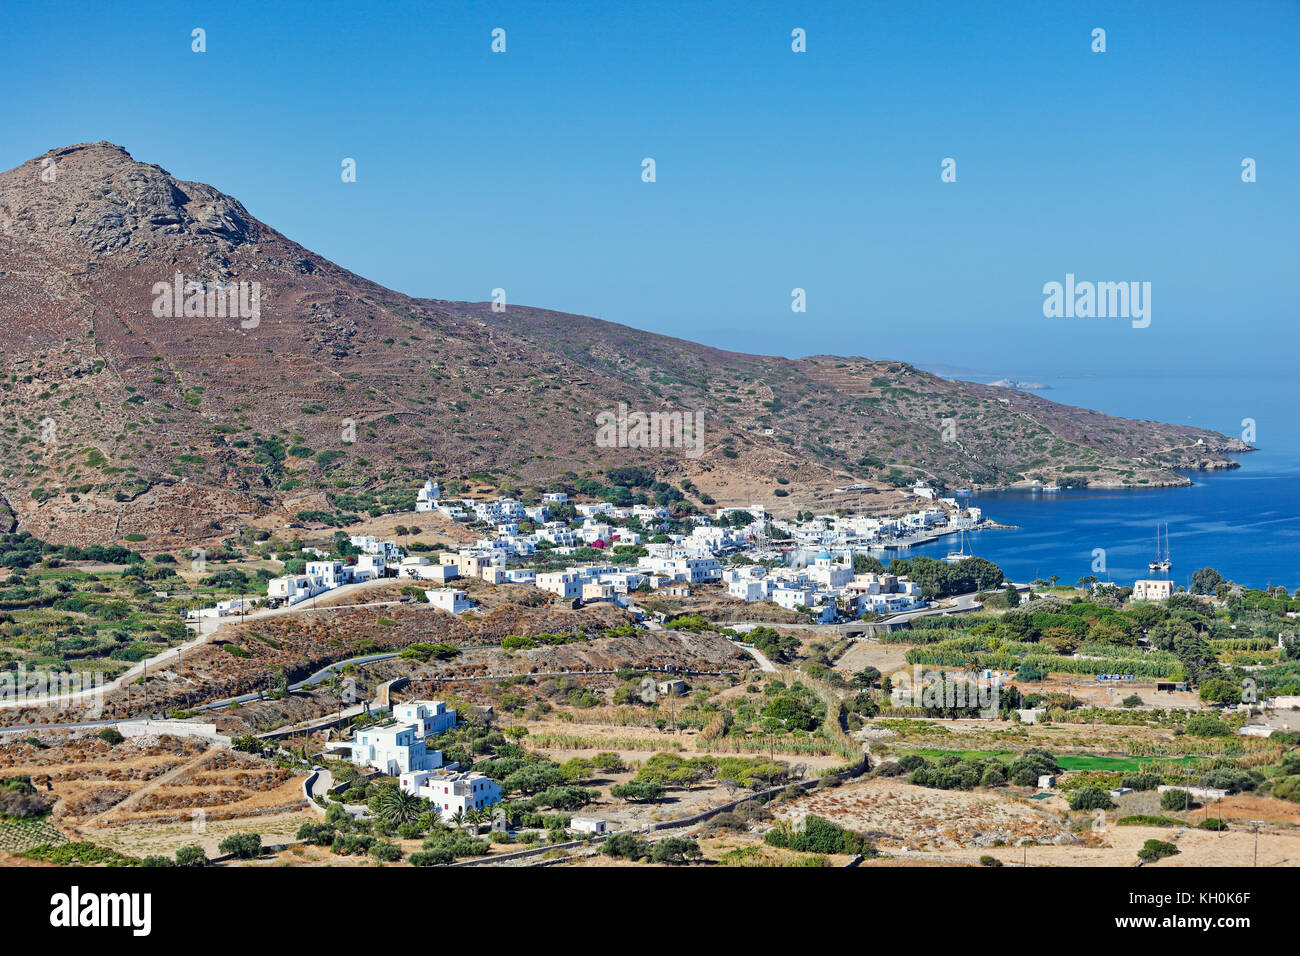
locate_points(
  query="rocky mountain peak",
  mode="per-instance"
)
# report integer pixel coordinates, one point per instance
(94, 198)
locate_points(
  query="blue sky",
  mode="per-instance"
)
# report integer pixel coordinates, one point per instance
(818, 170)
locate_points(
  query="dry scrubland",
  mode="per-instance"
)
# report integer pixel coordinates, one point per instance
(154, 794)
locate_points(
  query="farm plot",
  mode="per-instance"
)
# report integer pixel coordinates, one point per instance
(19, 835)
(895, 814)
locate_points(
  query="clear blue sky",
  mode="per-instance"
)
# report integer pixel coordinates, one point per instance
(775, 169)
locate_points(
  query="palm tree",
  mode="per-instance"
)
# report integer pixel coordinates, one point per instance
(395, 806)
(458, 818)
(474, 818)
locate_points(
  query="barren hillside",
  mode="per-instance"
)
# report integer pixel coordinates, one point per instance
(340, 394)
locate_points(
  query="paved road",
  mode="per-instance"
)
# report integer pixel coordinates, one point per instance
(321, 675)
(311, 681)
(208, 629)
(763, 662)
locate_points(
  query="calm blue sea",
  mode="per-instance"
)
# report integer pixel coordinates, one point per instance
(1245, 523)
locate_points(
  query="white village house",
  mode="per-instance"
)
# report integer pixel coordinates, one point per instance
(450, 791)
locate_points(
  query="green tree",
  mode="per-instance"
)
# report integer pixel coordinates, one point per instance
(244, 846)
(395, 806)
(191, 855)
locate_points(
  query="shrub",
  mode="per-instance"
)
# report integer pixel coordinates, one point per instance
(990, 861)
(1176, 800)
(1141, 781)
(1090, 798)
(817, 835)
(625, 845)
(1207, 725)
(351, 844)
(385, 852)
(244, 846)
(1154, 850)
(191, 855)
(111, 736)
(455, 843)
(636, 791)
(317, 834)
(676, 850)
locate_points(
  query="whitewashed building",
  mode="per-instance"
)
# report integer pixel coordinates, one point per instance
(426, 499)
(450, 600)
(449, 792)
(395, 749)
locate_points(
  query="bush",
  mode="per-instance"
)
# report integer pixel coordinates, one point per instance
(351, 844)
(625, 845)
(1154, 850)
(453, 844)
(1141, 781)
(1176, 800)
(1090, 798)
(1207, 725)
(111, 736)
(609, 762)
(385, 852)
(990, 861)
(636, 791)
(244, 846)
(817, 835)
(191, 855)
(317, 834)
(676, 850)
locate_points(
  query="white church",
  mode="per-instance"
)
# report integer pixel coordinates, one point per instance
(426, 499)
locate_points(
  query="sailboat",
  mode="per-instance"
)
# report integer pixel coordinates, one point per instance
(1162, 562)
(955, 556)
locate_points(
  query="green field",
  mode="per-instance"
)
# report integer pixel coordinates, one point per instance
(1070, 762)
(1086, 762)
(932, 753)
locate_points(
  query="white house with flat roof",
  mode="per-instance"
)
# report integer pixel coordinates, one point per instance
(1153, 590)
(565, 584)
(394, 749)
(428, 717)
(450, 600)
(449, 792)
(330, 573)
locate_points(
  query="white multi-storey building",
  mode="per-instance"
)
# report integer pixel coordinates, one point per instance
(1152, 590)
(566, 584)
(450, 792)
(395, 749)
(428, 717)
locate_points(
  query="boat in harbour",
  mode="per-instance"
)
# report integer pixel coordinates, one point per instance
(961, 555)
(1162, 561)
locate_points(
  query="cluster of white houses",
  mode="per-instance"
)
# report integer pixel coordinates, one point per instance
(864, 531)
(400, 749)
(827, 587)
